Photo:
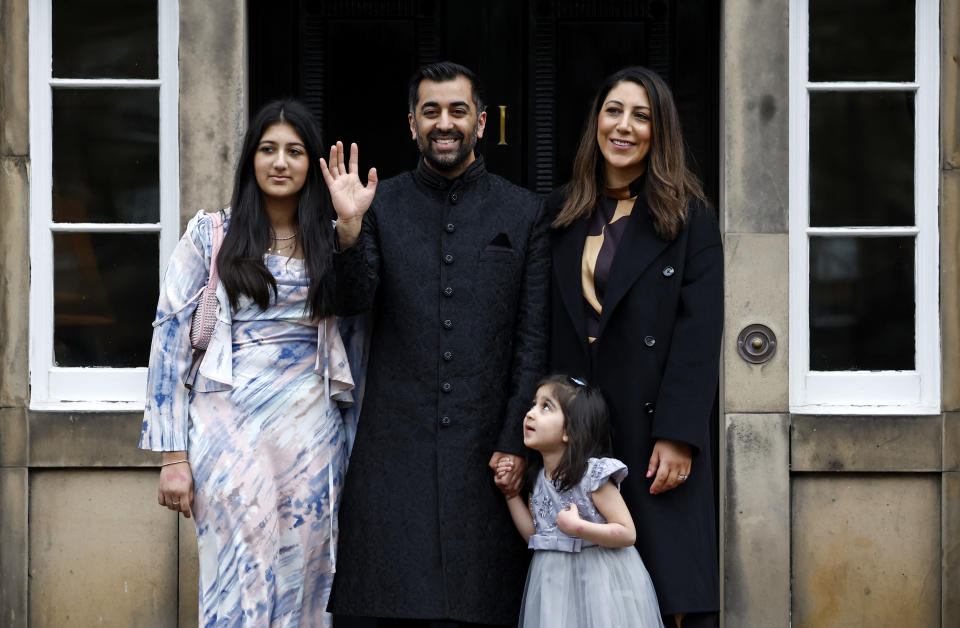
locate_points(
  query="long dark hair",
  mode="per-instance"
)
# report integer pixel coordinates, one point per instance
(240, 261)
(587, 425)
(669, 184)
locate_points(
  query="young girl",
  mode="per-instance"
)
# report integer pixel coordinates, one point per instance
(585, 571)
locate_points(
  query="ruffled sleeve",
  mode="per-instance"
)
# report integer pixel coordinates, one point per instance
(332, 363)
(599, 470)
(173, 372)
(165, 416)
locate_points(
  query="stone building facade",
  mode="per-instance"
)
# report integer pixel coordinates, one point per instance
(839, 496)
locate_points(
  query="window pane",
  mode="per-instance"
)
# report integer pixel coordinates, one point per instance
(106, 161)
(861, 304)
(105, 39)
(861, 159)
(105, 297)
(862, 40)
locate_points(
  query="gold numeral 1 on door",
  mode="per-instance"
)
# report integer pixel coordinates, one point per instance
(503, 126)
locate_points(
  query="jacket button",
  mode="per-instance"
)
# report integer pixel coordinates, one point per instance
(668, 271)
(444, 421)
(448, 291)
(649, 341)
(446, 387)
(648, 408)
(450, 228)
(447, 323)
(454, 197)
(448, 259)
(448, 355)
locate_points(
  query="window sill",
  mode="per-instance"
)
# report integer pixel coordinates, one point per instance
(87, 406)
(862, 410)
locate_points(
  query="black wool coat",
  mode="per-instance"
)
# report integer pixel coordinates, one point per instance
(457, 275)
(656, 361)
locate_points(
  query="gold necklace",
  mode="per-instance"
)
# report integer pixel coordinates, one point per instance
(276, 250)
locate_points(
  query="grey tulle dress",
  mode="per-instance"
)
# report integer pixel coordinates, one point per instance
(573, 583)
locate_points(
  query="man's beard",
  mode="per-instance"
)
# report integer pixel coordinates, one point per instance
(447, 161)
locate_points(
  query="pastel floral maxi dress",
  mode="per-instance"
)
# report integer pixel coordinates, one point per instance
(259, 417)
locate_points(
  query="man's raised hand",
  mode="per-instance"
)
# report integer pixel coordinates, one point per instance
(351, 198)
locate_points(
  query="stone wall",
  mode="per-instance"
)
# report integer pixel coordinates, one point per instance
(827, 520)
(824, 520)
(14, 308)
(754, 201)
(82, 539)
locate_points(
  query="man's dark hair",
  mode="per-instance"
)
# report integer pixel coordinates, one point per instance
(440, 72)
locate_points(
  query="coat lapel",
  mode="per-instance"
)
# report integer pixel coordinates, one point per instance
(567, 261)
(639, 246)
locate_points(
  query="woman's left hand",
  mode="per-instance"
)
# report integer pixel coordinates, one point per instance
(176, 487)
(670, 463)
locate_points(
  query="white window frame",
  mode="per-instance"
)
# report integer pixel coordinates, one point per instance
(75, 388)
(914, 392)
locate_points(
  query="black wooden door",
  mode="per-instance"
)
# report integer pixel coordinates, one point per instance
(539, 61)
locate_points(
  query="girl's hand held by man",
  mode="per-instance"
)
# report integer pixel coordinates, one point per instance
(507, 472)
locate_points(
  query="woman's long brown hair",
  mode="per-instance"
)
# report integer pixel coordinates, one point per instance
(669, 184)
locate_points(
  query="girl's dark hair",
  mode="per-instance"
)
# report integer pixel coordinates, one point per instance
(587, 424)
(240, 261)
(669, 184)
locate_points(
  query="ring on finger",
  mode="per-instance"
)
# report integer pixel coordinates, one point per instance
(682, 477)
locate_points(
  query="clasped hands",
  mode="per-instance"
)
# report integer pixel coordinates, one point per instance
(507, 472)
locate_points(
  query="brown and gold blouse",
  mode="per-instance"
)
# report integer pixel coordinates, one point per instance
(608, 223)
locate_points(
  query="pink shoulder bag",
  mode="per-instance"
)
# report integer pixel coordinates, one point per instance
(205, 316)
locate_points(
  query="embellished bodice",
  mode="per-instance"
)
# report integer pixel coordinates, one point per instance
(546, 502)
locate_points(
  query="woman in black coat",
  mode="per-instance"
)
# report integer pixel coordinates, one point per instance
(637, 299)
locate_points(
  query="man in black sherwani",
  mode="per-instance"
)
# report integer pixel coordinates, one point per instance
(454, 263)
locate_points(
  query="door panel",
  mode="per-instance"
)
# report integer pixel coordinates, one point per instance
(539, 62)
(355, 59)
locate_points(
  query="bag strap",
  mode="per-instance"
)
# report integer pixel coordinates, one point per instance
(216, 231)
